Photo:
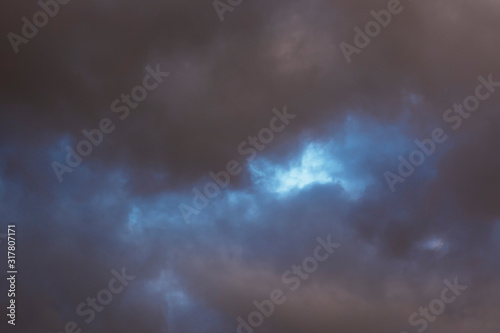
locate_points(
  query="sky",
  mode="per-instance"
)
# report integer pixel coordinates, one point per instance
(250, 166)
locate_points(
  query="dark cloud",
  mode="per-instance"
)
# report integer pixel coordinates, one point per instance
(323, 175)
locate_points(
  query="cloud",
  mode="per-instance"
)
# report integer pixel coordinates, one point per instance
(323, 175)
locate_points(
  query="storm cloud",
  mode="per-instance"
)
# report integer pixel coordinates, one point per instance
(323, 174)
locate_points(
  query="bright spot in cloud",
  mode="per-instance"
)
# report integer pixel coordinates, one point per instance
(435, 244)
(133, 219)
(316, 165)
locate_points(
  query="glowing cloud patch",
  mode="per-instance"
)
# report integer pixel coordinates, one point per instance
(316, 165)
(133, 220)
(435, 244)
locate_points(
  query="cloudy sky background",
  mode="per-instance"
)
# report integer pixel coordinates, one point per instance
(323, 175)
